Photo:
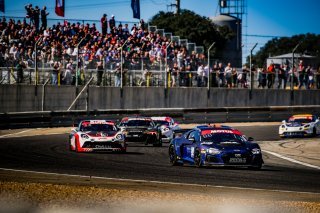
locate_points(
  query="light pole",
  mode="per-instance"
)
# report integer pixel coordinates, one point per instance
(77, 65)
(251, 76)
(292, 73)
(35, 59)
(209, 65)
(166, 65)
(121, 84)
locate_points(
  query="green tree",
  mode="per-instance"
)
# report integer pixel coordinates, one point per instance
(310, 44)
(195, 28)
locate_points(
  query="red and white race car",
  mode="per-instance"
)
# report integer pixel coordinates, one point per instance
(167, 127)
(96, 135)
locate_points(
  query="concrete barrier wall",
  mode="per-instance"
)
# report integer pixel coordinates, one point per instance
(22, 98)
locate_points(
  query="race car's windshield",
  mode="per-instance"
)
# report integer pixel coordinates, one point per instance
(300, 120)
(159, 122)
(97, 128)
(223, 138)
(136, 123)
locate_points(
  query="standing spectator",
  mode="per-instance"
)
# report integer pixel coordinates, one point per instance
(270, 77)
(117, 76)
(36, 17)
(142, 25)
(29, 14)
(44, 15)
(20, 68)
(310, 77)
(245, 71)
(302, 74)
(221, 75)
(55, 73)
(174, 75)
(228, 74)
(318, 78)
(68, 73)
(234, 77)
(293, 76)
(281, 76)
(200, 73)
(206, 72)
(99, 72)
(112, 23)
(104, 24)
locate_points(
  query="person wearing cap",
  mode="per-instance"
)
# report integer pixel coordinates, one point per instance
(112, 23)
(104, 24)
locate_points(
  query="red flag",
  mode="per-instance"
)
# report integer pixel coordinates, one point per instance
(60, 8)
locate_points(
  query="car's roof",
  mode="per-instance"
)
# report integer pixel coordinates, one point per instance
(161, 118)
(302, 115)
(212, 126)
(136, 118)
(98, 122)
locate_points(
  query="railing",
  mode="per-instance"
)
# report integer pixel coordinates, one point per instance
(137, 76)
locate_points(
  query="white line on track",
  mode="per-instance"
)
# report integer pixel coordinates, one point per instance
(157, 182)
(291, 160)
(14, 134)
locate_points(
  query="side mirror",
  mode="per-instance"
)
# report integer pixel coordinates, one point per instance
(250, 139)
(283, 121)
(74, 129)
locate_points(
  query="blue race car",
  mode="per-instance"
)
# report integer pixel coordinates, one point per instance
(215, 146)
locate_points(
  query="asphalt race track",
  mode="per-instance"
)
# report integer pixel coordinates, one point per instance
(50, 153)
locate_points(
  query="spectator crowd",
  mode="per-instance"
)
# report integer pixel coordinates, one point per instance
(98, 46)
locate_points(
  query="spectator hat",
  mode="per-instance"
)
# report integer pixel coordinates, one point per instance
(117, 64)
(112, 15)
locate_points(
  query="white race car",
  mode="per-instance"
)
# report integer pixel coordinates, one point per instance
(300, 125)
(96, 135)
(167, 127)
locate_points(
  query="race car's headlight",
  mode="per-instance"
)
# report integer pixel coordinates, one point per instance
(256, 151)
(307, 126)
(166, 129)
(119, 137)
(283, 126)
(84, 136)
(213, 151)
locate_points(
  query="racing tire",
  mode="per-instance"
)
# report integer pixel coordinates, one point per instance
(173, 156)
(159, 144)
(197, 159)
(256, 167)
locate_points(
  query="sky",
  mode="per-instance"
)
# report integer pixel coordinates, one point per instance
(264, 18)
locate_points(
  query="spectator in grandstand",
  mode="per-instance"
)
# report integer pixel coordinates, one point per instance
(29, 14)
(112, 23)
(104, 25)
(271, 74)
(228, 75)
(174, 75)
(36, 17)
(44, 15)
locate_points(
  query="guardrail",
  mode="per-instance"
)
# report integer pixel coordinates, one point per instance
(190, 115)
